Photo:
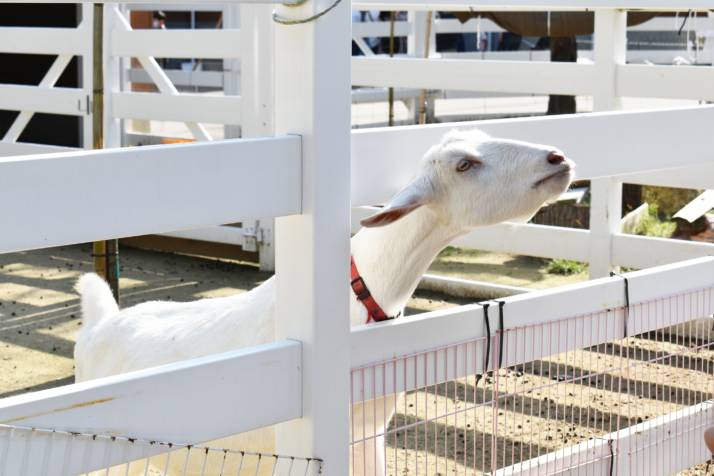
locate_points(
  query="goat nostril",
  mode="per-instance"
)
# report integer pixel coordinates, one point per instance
(556, 158)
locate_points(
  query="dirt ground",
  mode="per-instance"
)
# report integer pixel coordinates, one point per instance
(548, 404)
(39, 310)
(39, 316)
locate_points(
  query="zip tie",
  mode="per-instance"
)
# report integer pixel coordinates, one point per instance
(627, 301)
(287, 21)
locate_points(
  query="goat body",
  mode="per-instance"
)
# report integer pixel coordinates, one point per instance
(467, 180)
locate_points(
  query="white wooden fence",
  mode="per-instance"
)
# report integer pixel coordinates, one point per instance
(460, 73)
(122, 43)
(66, 43)
(696, 32)
(303, 175)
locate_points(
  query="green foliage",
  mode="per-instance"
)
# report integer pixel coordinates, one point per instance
(564, 266)
(449, 251)
(652, 225)
(668, 200)
(454, 251)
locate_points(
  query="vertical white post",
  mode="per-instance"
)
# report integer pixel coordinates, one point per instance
(416, 47)
(605, 215)
(232, 14)
(312, 98)
(707, 54)
(87, 28)
(112, 80)
(610, 49)
(416, 41)
(258, 101)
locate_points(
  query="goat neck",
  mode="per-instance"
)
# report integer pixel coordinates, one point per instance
(392, 259)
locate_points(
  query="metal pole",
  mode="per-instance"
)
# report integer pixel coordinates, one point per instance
(105, 253)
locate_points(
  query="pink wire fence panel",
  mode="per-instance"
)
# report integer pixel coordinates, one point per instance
(46, 452)
(622, 391)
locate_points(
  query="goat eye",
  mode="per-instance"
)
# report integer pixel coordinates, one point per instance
(464, 165)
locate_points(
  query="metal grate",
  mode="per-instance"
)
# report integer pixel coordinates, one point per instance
(45, 452)
(570, 395)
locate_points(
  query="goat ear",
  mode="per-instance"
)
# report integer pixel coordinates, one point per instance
(414, 195)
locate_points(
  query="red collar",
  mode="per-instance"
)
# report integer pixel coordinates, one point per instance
(359, 287)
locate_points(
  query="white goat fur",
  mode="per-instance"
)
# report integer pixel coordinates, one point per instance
(503, 180)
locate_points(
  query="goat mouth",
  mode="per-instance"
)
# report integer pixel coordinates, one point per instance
(563, 173)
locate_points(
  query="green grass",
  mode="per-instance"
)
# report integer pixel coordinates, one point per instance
(454, 251)
(564, 267)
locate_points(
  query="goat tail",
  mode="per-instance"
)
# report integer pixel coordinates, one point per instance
(97, 299)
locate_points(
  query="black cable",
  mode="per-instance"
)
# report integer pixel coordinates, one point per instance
(679, 33)
(487, 358)
(501, 332)
(627, 300)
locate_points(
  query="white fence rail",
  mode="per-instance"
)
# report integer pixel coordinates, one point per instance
(179, 78)
(692, 54)
(653, 455)
(484, 25)
(44, 41)
(179, 108)
(472, 75)
(17, 149)
(407, 336)
(152, 189)
(176, 43)
(128, 405)
(69, 101)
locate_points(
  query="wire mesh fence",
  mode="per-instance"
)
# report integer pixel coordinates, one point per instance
(623, 391)
(46, 452)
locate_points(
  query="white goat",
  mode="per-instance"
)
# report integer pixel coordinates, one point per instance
(466, 181)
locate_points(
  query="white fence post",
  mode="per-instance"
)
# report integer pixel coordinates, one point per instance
(113, 127)
(416, 41)
(610, 47)
(232, 79)
(605, 206)
(312, 98)
(257, 93)
(87, 28)
(416, 47)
